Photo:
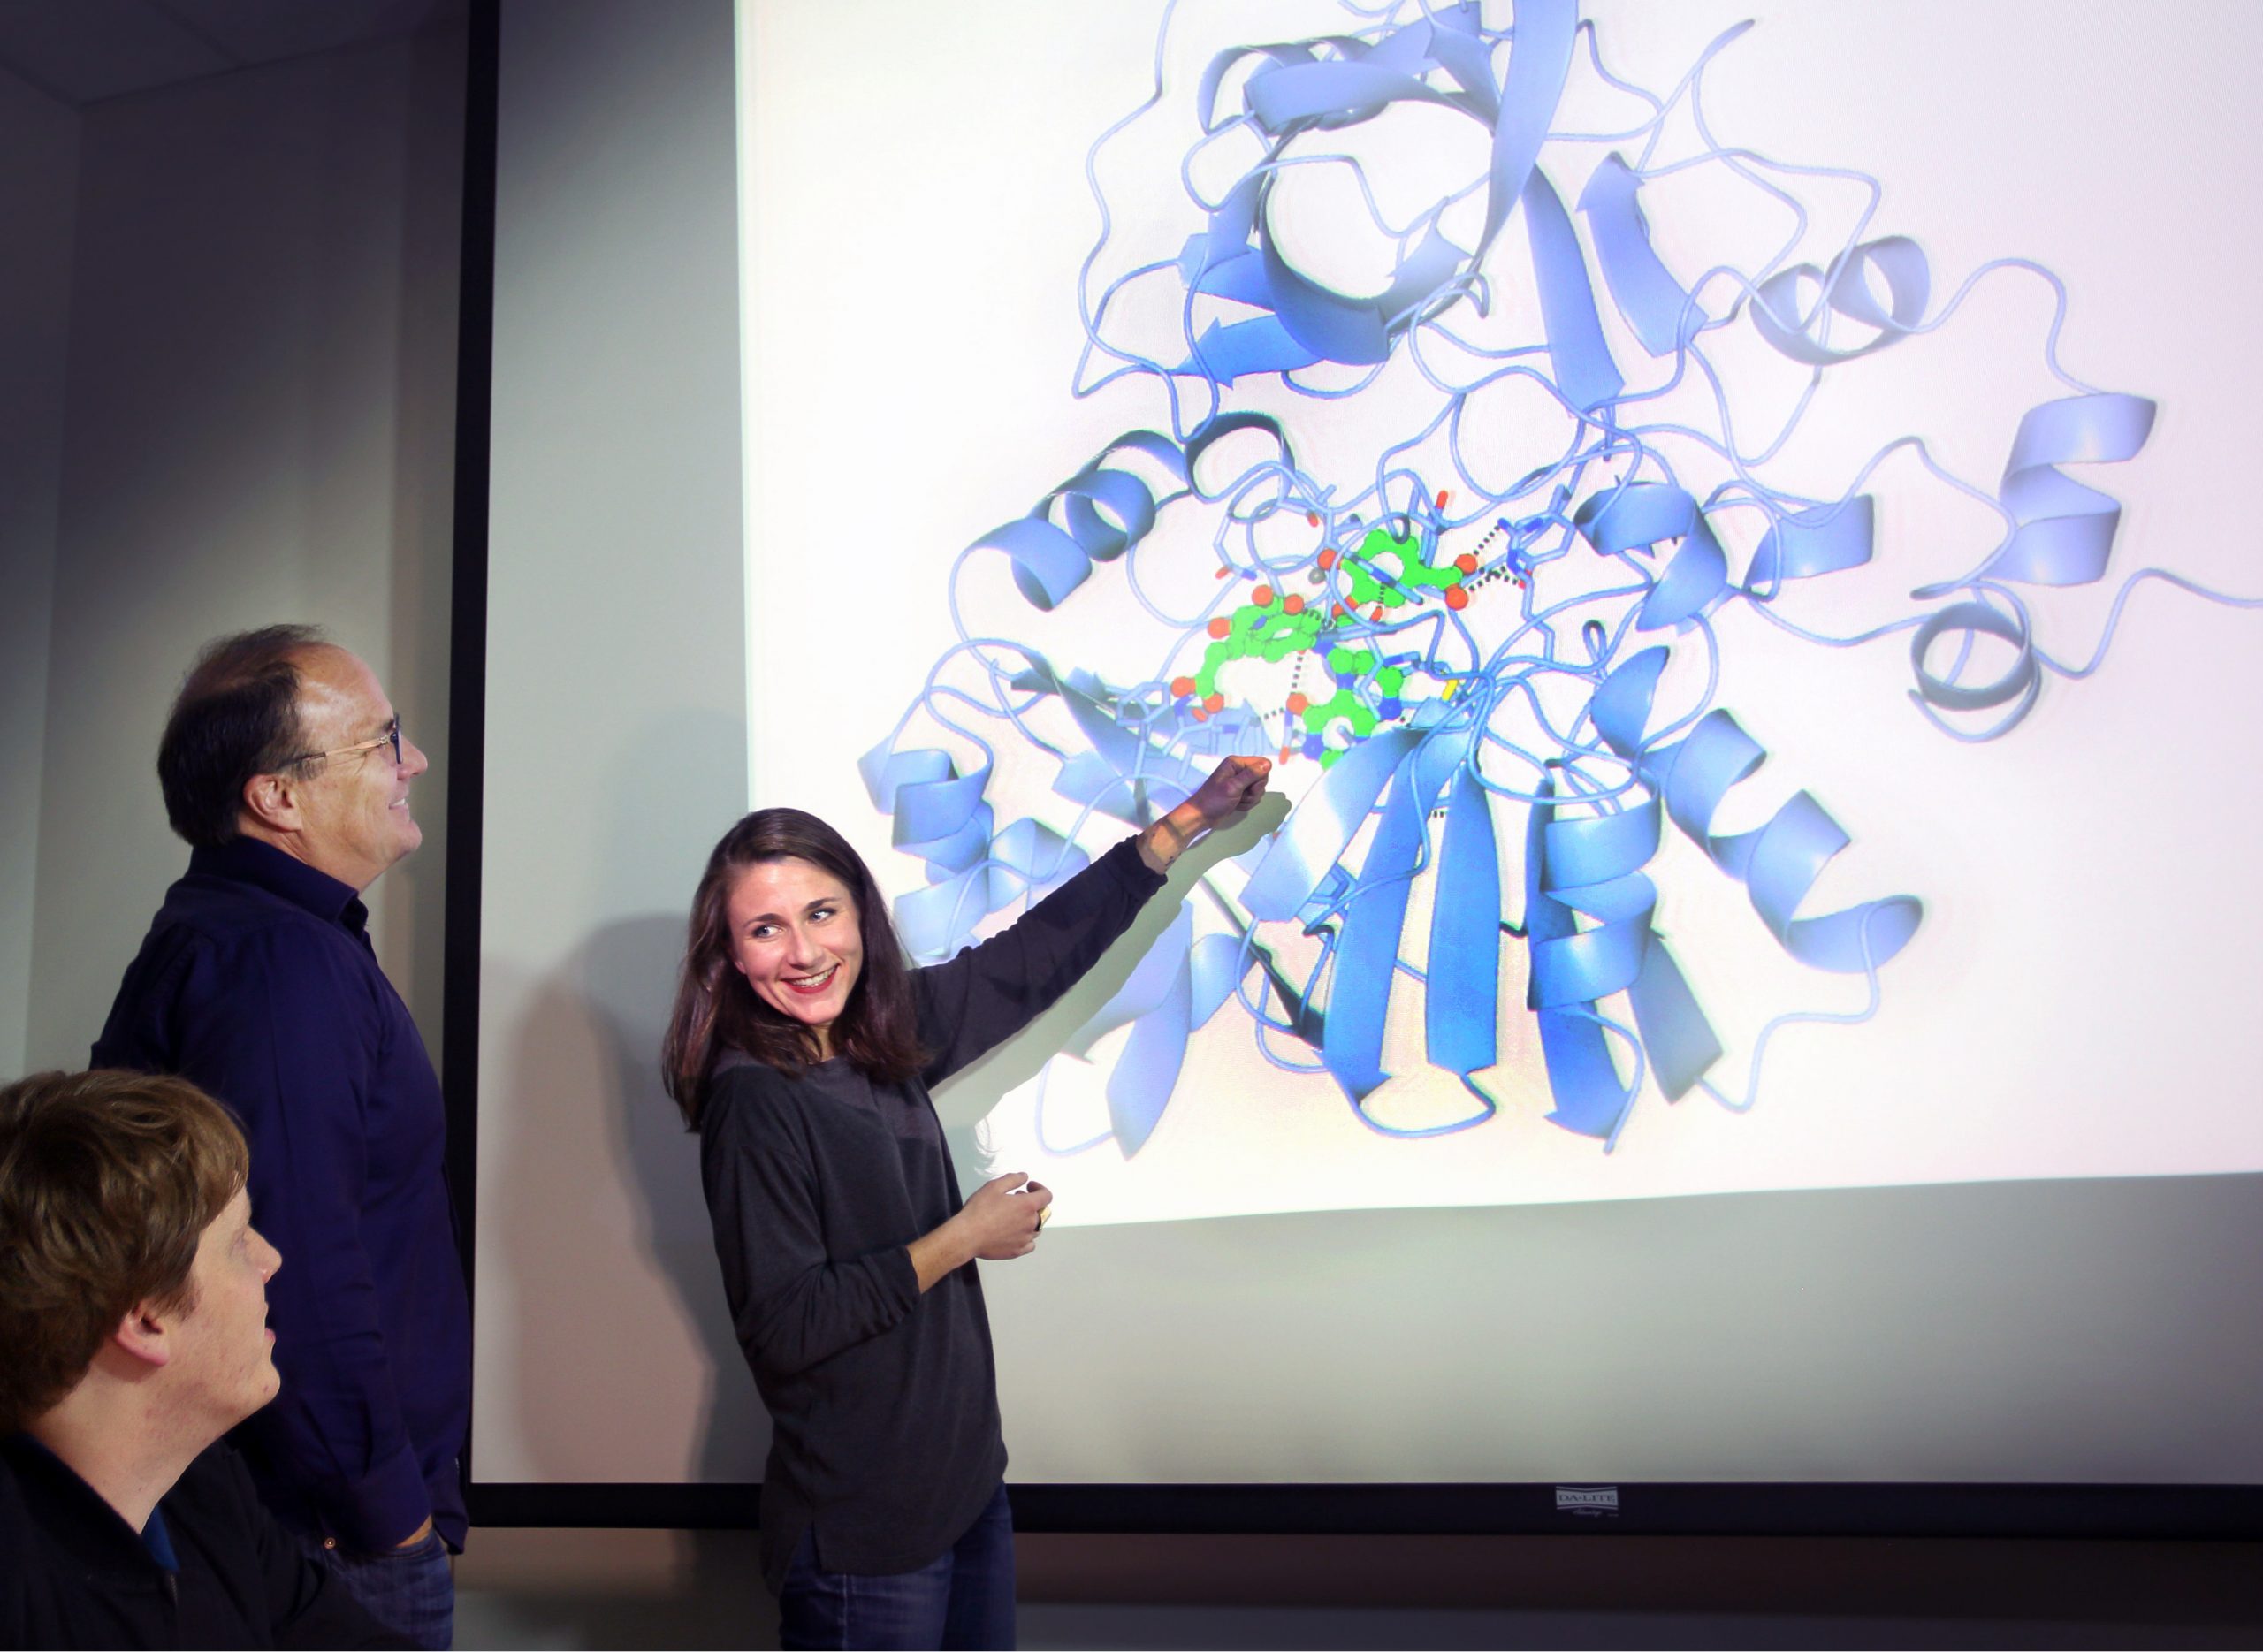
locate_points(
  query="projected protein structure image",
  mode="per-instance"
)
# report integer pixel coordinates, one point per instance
(1456, 476)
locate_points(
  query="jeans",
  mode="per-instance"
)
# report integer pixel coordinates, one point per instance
(964, 1598)
(410, 1591)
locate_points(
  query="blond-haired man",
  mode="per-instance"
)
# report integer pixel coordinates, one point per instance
(133, 1310)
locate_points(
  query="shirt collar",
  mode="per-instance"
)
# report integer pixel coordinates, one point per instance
(159, 1541)
(248, 860)
(77, 1514)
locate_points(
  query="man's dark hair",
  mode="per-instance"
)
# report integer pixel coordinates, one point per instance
(237, 715)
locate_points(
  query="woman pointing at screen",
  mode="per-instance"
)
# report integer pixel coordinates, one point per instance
(801, 1048)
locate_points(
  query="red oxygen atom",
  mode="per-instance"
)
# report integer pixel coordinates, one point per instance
(1220, 625)
(1181, 687)
(1456, 597)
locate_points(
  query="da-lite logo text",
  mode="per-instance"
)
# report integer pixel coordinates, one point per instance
(1590, 1500)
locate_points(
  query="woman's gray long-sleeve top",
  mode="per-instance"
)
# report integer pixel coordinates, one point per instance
(883, 1402)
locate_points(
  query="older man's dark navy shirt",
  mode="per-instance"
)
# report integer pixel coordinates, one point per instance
(257, 982)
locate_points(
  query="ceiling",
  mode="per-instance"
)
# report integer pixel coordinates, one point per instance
(82, 51)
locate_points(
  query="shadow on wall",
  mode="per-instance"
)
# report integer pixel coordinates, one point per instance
(627, 1367)
(606, 1304)
(969, 1095)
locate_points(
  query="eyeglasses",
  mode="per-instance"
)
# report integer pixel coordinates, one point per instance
(391, 737)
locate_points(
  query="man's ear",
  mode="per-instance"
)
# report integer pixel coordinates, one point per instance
(272, 800)
(146, 1334)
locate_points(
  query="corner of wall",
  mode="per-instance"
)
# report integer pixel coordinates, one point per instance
(38, 203)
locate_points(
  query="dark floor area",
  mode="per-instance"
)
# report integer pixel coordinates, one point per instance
(532, 1587)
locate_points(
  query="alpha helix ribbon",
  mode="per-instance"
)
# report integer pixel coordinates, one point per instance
(939, 811)
(1781, 861)
(1801, 544)
(1052, 557)
(2062, 531)
(939, 815)
(2022, 679)
(1294, 90)
(2061, 534)
(1589, 866)
(1792, 308)
(1588, 1098)
(1104, 510)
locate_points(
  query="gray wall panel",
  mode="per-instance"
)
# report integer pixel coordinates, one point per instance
(38, 203)
(260, 426)
(616, 740)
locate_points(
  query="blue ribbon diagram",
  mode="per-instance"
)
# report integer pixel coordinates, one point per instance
(1499, 691)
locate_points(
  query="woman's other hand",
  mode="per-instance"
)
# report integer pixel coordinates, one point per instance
(999, 1223)
(1001, 1218)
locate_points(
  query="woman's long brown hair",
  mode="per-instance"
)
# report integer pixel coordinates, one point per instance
(878, 1031)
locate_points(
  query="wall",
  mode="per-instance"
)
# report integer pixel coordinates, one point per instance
(38, 191)
(616, 740)
(260, 427)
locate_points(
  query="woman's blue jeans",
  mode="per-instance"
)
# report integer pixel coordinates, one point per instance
(963, 1598)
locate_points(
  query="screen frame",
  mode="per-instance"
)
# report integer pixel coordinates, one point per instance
(1771, 1509)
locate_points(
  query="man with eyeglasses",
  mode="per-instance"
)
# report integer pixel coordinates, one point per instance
(284, 766)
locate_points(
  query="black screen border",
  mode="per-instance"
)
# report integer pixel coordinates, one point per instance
(1806, 1509)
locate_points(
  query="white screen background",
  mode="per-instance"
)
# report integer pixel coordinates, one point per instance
(2075, 1001)
(1528, 1317)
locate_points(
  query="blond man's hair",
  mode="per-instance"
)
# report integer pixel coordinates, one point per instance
(108, 1181)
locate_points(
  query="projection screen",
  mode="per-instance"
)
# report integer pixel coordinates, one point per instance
(1724, 518)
